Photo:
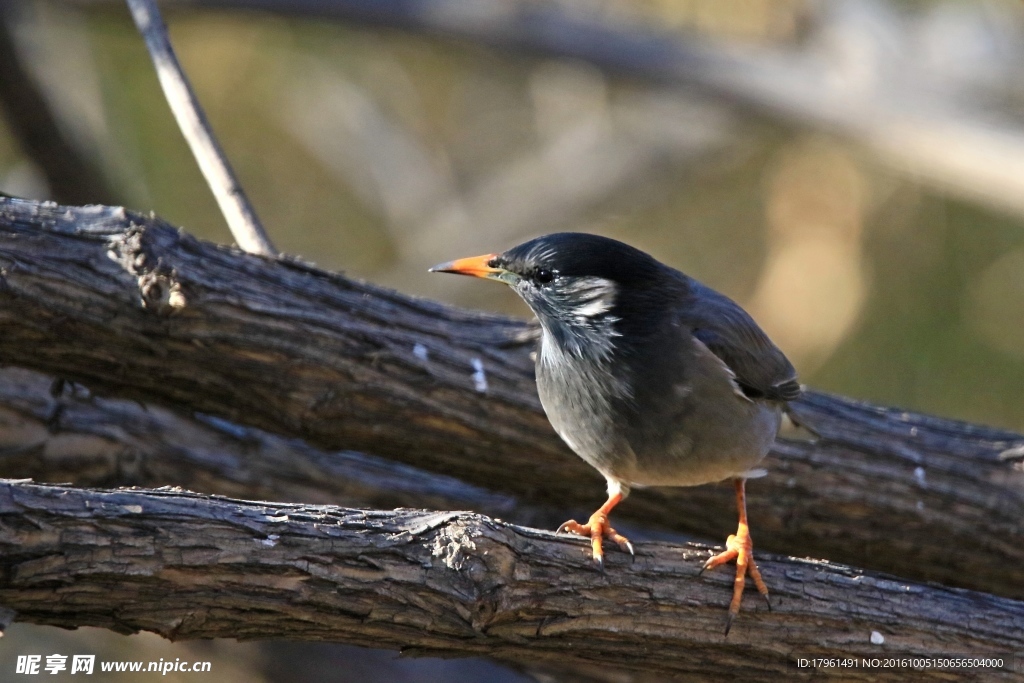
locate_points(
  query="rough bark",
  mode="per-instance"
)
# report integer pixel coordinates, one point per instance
(129, 306)
(67, 435)
(55, 431)
(189, 566)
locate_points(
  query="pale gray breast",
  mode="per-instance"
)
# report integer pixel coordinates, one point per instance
(580, 396)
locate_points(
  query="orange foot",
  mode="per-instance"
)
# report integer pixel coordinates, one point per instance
(739, 547)
(597, 529)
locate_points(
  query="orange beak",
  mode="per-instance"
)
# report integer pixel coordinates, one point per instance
(477, 266)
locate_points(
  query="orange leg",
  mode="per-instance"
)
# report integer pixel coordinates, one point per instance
(739, 547)
(597, 528)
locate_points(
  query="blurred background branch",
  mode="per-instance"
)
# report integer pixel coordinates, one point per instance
(71, 173)
(856, 74)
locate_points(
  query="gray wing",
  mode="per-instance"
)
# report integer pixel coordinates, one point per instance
(761, 369)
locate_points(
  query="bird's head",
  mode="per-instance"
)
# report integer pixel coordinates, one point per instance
(578, 285)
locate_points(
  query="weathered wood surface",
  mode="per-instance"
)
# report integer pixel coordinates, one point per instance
(189, 566)
(132, 307)
(68, 435)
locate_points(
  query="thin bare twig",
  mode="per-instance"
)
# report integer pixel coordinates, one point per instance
(241, 217)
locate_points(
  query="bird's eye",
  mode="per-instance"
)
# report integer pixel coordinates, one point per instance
(543, 276)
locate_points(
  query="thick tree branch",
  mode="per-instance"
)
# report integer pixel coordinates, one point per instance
(187, 566)
(55, 431)
(72, 436)
(132, 307)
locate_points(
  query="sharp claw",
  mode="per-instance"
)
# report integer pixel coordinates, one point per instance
(597, 529)
(768, 602)
(728, 623)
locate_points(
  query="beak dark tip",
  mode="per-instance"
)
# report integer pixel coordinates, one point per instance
(441, 267)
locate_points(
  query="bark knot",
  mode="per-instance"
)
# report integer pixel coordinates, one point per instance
(454, 544)
(160, 289)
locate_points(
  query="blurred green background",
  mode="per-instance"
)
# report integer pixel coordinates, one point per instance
(380, 152)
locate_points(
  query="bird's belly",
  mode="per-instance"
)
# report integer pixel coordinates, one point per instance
(583, 417)
(718, 440)
(712, 444)
(686, 427)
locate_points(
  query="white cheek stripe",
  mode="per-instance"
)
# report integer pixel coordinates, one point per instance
(603, 296)
(598, 306)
